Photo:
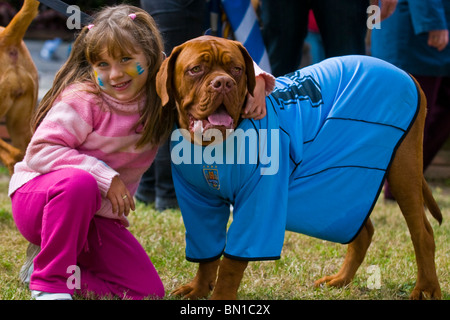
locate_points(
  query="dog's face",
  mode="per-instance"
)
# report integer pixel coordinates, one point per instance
(208, 79)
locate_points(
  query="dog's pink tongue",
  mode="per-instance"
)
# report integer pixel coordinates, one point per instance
(221, 118)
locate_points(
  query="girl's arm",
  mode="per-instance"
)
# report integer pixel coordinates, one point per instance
(256, 104)
(55, 143)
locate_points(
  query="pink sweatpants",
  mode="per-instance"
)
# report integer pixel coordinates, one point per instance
(57, 212)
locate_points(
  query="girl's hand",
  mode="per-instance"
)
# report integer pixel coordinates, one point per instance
(120, 197)
(256, 104)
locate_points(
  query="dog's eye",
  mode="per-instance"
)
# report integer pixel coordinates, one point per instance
(195, 70)
(236, 71)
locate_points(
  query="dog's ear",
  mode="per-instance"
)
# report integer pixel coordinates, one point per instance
(250, 71)
(164, 77)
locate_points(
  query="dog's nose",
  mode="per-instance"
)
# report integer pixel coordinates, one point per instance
(222, 84)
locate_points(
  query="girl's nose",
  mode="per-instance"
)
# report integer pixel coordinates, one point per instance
(116, 72)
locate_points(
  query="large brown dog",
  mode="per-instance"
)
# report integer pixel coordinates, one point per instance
(207, 77)
(18, 84)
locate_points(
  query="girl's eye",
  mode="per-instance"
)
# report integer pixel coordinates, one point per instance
(125, 59)
(102, 64)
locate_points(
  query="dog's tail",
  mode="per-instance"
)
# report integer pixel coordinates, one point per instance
(430, 202)
(15, 31)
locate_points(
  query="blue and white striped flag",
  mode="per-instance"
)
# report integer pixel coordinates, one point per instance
(243, 21)
(215, 18)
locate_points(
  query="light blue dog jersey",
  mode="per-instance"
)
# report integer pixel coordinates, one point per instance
(314, 165)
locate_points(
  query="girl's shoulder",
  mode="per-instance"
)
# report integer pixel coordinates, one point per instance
(80, 92)
(82, 99)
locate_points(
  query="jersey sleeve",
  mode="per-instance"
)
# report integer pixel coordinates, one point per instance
(259, 221)
(260, 207)
(205, 219)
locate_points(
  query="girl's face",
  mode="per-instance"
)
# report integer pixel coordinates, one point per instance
(122, 78)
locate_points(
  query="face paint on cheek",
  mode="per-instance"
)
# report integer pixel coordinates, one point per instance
(135, 70)
(99, 80)
(139, 68)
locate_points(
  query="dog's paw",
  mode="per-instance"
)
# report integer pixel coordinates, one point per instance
(426, 294)
(191, 292)
(334, 281)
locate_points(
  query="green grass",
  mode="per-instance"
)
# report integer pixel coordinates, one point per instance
(304, 259)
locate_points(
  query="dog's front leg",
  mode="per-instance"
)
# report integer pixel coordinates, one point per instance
(230, 275)
(203, 282)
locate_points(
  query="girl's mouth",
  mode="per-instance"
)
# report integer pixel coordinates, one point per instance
(121, 86)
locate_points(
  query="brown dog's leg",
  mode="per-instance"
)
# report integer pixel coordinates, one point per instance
(427, 285)
(9, 155)
(406, 181)
(230, 275)
(356, 252)
(203, 282)
(18, 121)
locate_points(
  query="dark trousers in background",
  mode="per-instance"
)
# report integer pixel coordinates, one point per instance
(178, 21)
(437, 124)
(342, 26)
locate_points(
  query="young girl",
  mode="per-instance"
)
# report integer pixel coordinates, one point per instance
(95, 133)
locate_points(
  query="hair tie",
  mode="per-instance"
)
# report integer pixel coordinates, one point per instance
(90, 26)
(132, 16)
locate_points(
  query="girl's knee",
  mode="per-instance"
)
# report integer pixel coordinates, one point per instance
(80, 179)
(78, 186)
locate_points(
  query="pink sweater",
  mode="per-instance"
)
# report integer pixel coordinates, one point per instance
(91, 132)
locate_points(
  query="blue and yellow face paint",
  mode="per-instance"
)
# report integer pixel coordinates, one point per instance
(135, 70)
(99, 80)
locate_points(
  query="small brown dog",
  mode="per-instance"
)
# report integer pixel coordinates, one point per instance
(18, 84)
(208, 78)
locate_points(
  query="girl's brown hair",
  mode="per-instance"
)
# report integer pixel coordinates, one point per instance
(115, 31)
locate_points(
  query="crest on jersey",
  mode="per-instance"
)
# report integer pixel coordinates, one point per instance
(211, 175)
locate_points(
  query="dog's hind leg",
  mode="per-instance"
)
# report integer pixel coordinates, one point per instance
(410, 200)
(356, 252)
(408, 187)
